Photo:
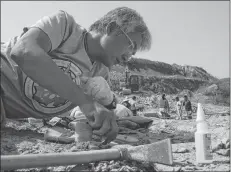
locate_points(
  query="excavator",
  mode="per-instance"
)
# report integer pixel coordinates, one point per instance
(132, 82)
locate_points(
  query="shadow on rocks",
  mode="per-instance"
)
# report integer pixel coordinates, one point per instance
(182, 136)
(175, 136)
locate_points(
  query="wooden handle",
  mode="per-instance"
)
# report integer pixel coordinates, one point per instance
(10, 162)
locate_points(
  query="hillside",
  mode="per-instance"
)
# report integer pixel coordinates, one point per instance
(155, 68)
(160, 77)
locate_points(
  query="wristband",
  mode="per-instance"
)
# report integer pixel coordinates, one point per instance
(112, 105)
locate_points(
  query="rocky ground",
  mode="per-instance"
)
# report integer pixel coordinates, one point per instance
(24, 138)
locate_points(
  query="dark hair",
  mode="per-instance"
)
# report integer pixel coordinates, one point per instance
(177, 98)
(134, 97)
(163, 96)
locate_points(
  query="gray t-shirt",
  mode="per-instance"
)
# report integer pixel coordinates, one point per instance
(22, 97)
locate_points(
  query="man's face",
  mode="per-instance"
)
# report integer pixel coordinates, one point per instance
(119, 48)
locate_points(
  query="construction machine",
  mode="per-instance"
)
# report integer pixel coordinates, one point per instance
(132, 82)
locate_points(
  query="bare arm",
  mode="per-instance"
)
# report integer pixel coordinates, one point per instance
(30, 53)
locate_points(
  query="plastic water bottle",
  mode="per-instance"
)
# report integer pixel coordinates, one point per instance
(202, 139)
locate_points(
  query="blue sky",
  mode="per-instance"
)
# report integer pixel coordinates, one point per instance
(184, 32)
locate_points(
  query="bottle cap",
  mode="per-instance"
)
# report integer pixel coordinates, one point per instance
(200, 113)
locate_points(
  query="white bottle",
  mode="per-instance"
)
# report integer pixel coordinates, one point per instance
(202, 139)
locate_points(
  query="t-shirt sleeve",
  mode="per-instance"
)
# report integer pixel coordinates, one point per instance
(57, 27)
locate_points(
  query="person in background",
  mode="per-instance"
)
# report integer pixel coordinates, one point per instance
(133, 105)
(130, 103)
(179, 108)
(164, 107)
(188, 107)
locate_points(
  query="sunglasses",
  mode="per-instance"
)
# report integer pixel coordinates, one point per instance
(132, 47)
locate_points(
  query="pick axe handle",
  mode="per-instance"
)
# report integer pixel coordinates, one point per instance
(10, 162)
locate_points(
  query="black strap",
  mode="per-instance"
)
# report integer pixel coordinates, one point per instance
(112, 105)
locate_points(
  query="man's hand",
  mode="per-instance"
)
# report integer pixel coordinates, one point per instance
(102, 121)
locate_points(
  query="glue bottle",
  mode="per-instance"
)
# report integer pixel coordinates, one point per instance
(202, 139)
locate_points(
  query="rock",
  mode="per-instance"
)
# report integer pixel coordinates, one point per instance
(218, 147)
(126, 139)
(212, 166)
(128, 124)
(112, 162)
(162, 167)
(226, 161)
(115, 166)
(191, 168)
(225, 140)
(134, 169)
(212, 88)
(98, 169)
(126, 91)
(82, 145)
(128, 168)
(73, 149)
(79, 167)
(227, 145)
(177, 169)
(54, 121)
(38, 123)
(223, 152)
(181, 150)
(200, 165)
(57, 134)
(94, 145)
(36, 147)
(26, 152)
(151, 114)
(104, 167)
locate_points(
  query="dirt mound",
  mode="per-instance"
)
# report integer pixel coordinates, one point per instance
(217, 92)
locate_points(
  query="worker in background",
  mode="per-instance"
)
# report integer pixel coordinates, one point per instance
(133, 102)
(188, 107)
(179, 108)
(164, 107)
(130, 103)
